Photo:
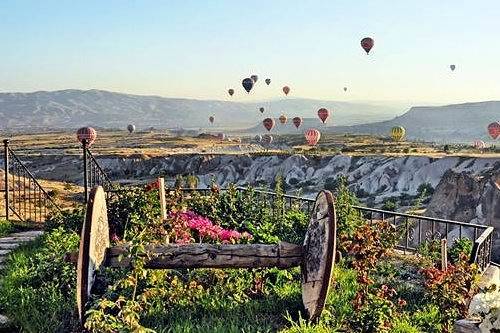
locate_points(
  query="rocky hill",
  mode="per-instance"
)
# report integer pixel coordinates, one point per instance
(450, 123)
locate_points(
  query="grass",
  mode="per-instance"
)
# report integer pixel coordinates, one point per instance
(37, 286)
(6, 228)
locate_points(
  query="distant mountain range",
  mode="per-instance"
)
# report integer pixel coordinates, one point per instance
(69, 109)
(449, 123)
(74, 108)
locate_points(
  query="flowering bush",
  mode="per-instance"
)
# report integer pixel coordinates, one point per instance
(451, 289)
(486, 307)
(188, 225)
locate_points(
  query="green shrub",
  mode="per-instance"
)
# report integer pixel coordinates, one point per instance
(6, 228)
(67, 219)
(390, 204)
(461, 246)
(37, 287)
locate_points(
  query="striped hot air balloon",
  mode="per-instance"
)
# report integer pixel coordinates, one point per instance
(86, 133)
(398, 133)
(286, 90)
(312, 136)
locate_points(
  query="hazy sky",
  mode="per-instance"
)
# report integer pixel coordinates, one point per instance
(198, 48)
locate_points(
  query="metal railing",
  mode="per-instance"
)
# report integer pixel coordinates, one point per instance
(93, 174)
(414, 229)
(24, 198)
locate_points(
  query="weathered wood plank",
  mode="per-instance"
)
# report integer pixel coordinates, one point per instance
(283, 255)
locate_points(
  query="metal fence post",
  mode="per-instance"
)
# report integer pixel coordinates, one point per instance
(85, 175)
(6, 174)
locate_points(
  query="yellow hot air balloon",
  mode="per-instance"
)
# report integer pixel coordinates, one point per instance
(398, 133)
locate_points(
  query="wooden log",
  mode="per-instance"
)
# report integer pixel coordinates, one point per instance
(282, 255)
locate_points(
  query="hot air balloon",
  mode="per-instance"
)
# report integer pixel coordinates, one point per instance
(221, 136)
(131, 128)
(268, 123)
(323, 114)
(367, 44)
(345, 88)
(261, 110)
(286, 90)
(267, 139)
(494, 130)
(231, 92)
(398, 133)
(86, 133)
(283, 119)
(479, 144)
(211, 119)
(247, 84)
(297, 121)
(254, 78)
(312, 136)
(452, 67)
(258, 138)
(268, 81)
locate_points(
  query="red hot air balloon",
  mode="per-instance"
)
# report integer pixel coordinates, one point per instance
(247, 84)
(261, 110)
(312, 136)
(268, 81)
(283, 119)
(86, 133)
(254, 78)
(367, 44)
(268, 123)
(267, 139)
(230, 92)
(494, 130)
(323, 114)
(211, 119)
(286, 90)
(297, 121)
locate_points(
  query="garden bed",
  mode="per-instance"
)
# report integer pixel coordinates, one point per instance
(374, 287)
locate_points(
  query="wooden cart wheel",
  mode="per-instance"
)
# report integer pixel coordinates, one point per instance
(93, 244)
(319, 254)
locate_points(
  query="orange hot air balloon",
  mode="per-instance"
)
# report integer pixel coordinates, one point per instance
(323, 114)
(86, 133)
(297, 121)
(230, 92)
(494, 130)
(283, 119)
(367, 44)
(312, 136)
(261, 110)
(211, 119)
(268, 123)
(286, 90)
